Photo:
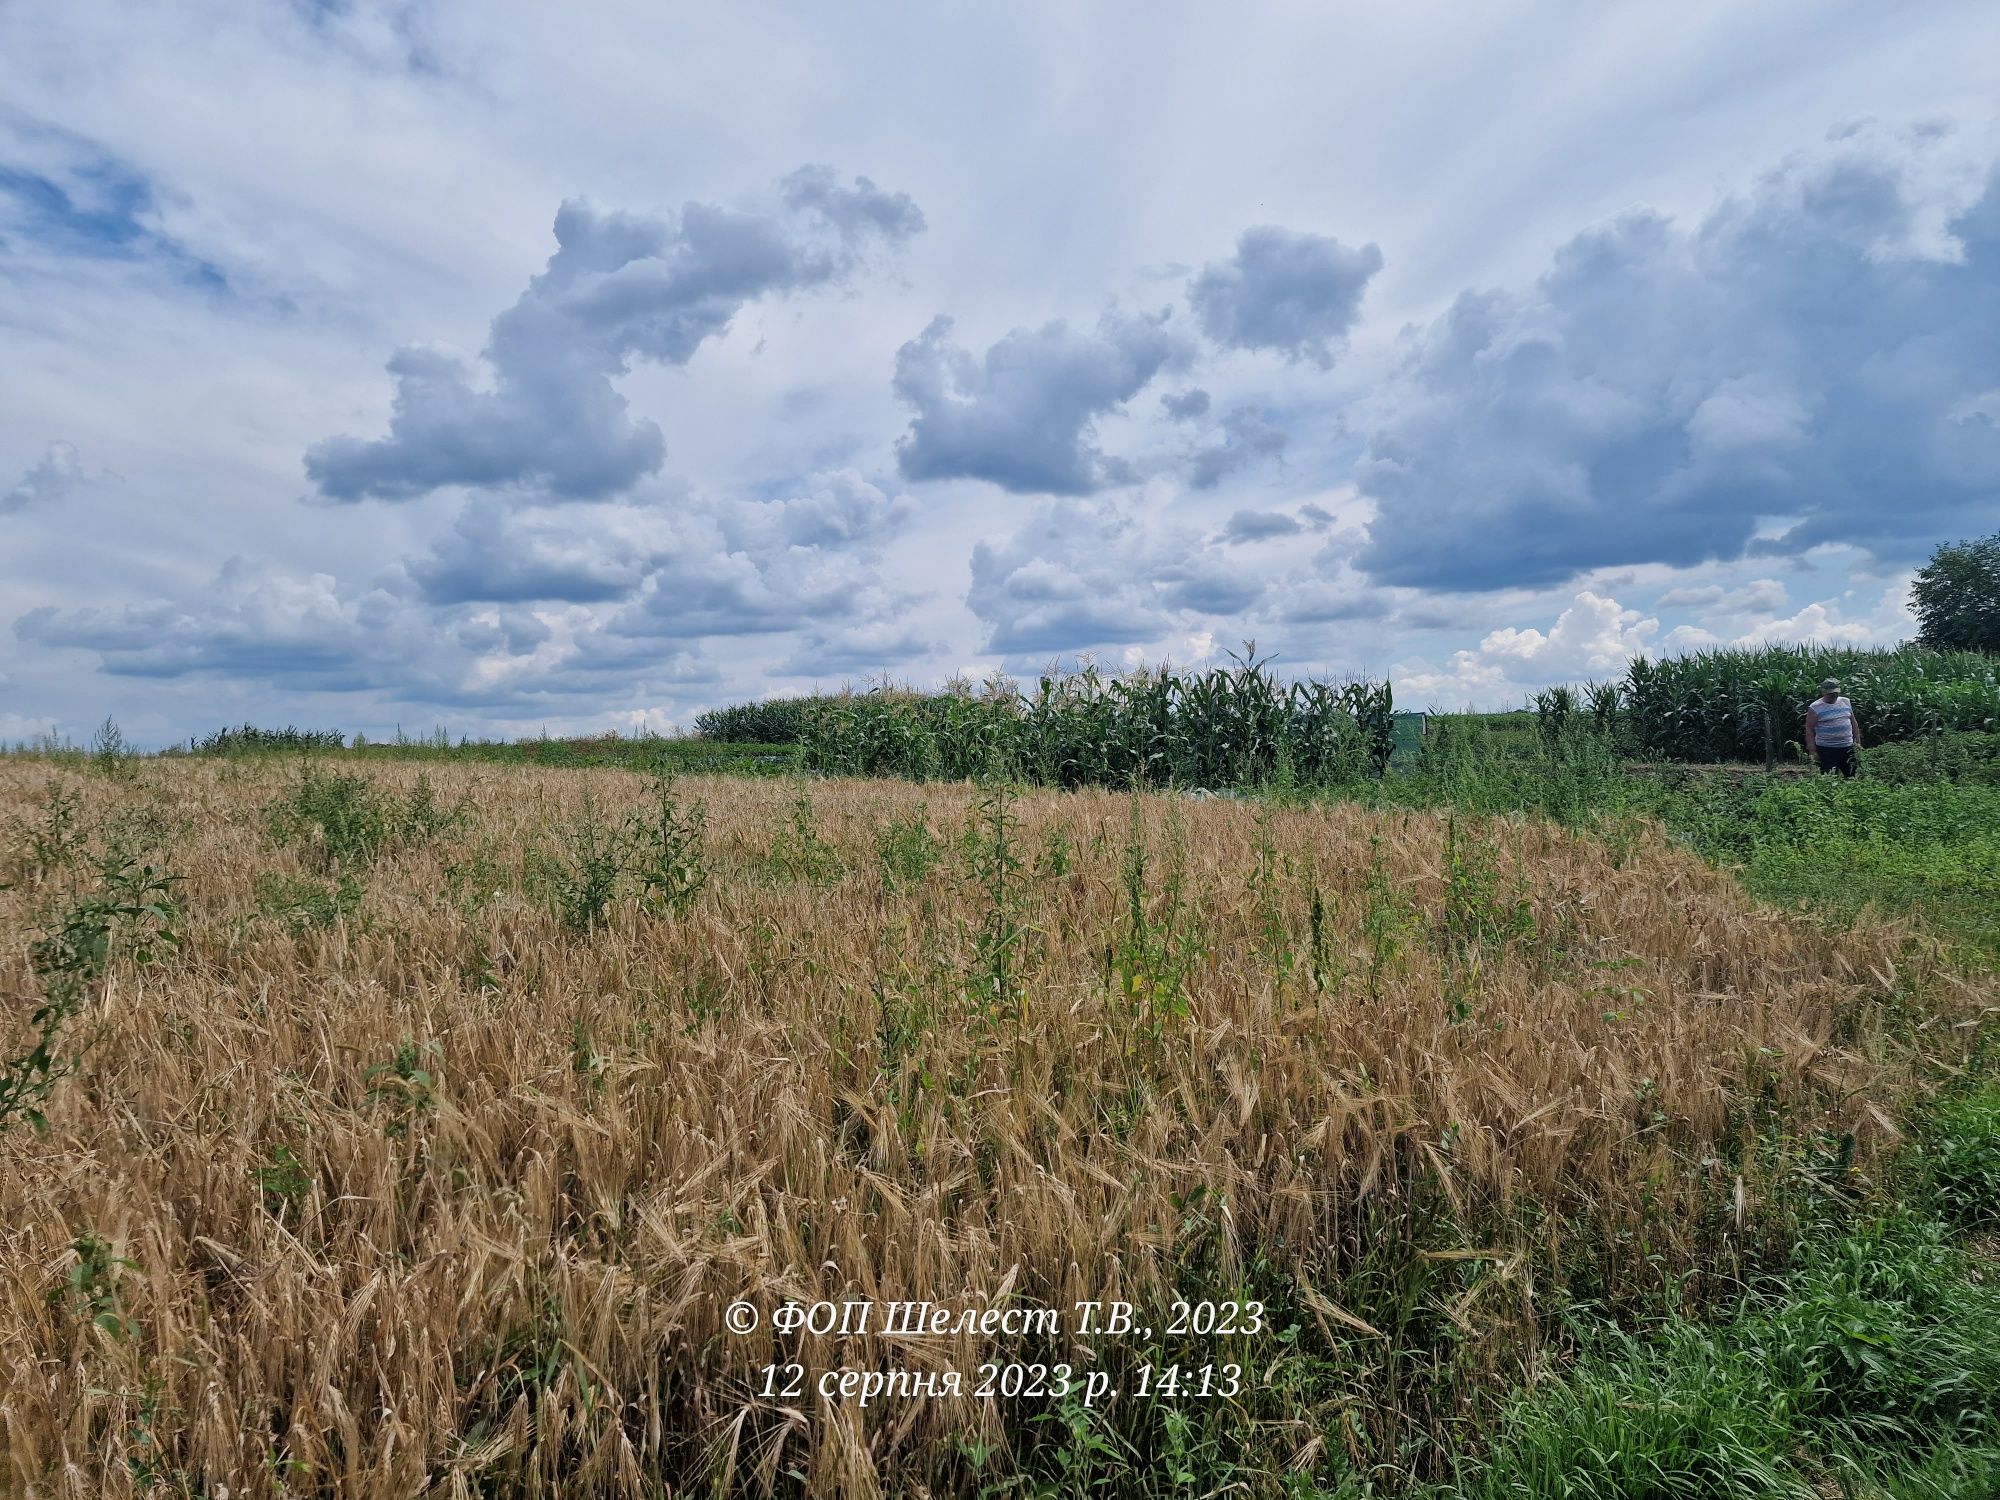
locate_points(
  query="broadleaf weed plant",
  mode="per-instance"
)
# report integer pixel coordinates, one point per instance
(131, 899)
(993, 850)
(799, 852)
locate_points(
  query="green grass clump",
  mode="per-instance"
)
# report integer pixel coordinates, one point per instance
(1964, 1158)
(344, 821)
(1959, 757)
(1838, 846)
(301, 904)
(1832, 845)
(655, 754)
(1871, 1365)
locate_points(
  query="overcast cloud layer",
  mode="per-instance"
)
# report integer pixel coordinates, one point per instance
(384, 363)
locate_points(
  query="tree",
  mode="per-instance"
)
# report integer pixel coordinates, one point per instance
(1957, 597)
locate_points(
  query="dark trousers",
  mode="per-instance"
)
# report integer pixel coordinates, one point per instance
(1839, 758)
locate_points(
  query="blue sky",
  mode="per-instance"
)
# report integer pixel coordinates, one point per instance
(386, 362)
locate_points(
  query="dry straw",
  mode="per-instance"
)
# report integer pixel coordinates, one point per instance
(419, 1190)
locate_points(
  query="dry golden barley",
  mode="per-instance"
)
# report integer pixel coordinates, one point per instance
(439, 1197)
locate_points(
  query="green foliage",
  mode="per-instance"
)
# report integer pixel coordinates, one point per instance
(283, 1182)
(1162, 943)
(54, 841)
(301, 904)
(423, 816)
(109, 754)
(1476, 918)
(1841, 845)
(1681, 1419)
(661, 851)
(95, 1293)
(248, 739)
(646, 752)
(1956, 596)
(132, 901)
(1238, 725)
(406, 1084)
(1961, 757)
(28, 1078)
(799, 853)
(993, 850)
(1877, 1336)
(1710, 705)
(1964, 1155)
(581, 872)
(1873, 1363)
(344, 820)
(669, 857)
(1566, 769)
(908, 850)
(1387, 920)
(770, 721)
(339, 816)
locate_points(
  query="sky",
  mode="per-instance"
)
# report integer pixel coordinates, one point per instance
(369, 364)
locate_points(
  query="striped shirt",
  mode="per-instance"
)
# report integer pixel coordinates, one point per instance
(1832, 723)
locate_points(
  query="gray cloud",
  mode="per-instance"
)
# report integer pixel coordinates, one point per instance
(257, 624)
(252, 621)
(619, 287)
(1295, 293)
(855, 212)
(1758, 596)
(515, 632)
(1260, 525)
(836, 510)
(1084, 574)
(856, 651)
(52, 477)
(1209, 585)
(1185, 406)
(494, 555)
(743, 568)
(1246, 438)
(1074, 576)
(1821, 348)
(1024, 415)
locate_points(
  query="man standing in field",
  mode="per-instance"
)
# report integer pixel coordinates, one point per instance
(1832, 731)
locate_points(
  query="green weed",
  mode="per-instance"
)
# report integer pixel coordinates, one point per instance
(908, 850)
(301, 904)
(798, 852)
(132, 902)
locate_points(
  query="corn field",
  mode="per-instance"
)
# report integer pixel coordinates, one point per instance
(409, 1136)
(1711, 705)
(1232, 726)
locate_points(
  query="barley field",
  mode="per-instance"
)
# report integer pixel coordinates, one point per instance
(423, 1125)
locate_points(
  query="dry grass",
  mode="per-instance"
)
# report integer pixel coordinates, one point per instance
(512, 1280)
